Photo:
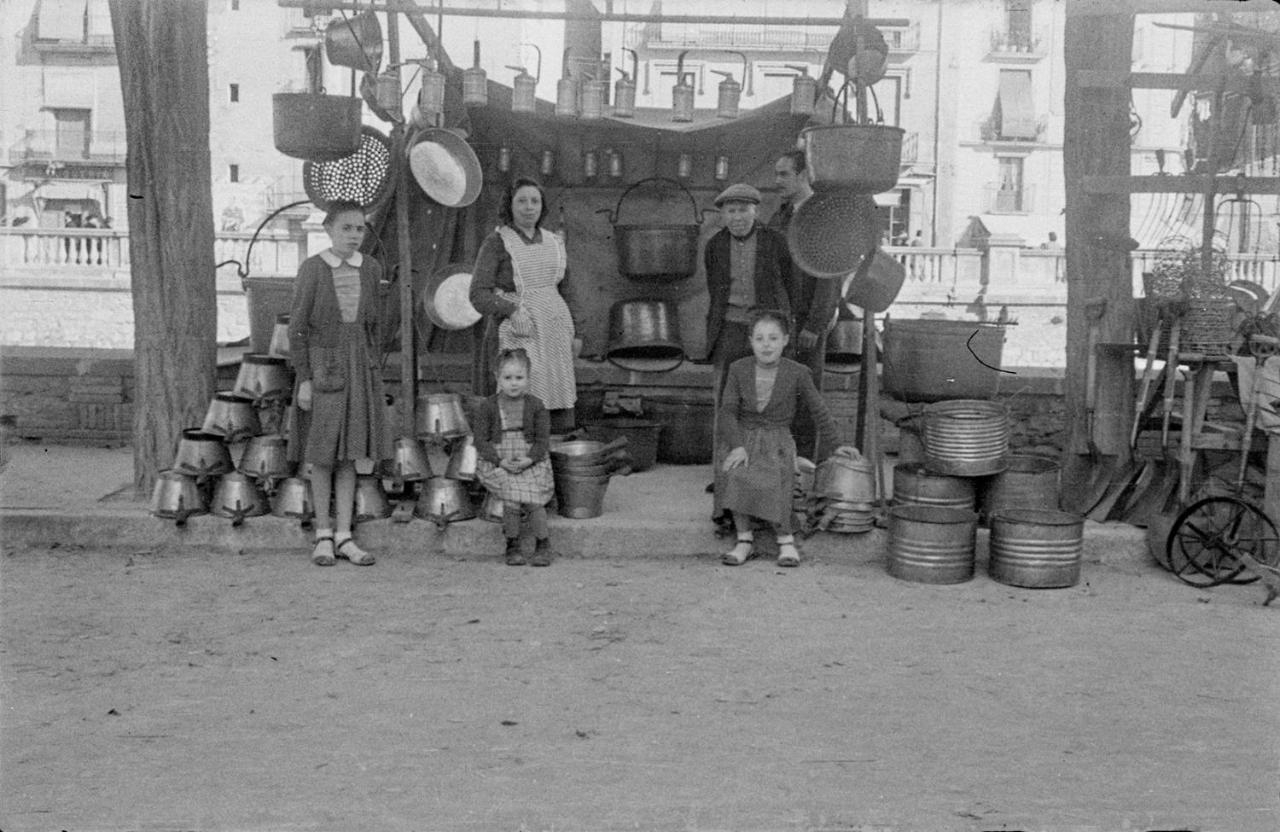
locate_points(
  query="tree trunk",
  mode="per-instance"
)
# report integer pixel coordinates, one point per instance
(161, 46)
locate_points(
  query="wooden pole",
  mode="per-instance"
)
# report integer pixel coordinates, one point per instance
(400, 166)
(1096, 143)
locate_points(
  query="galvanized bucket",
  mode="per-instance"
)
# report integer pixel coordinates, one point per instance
(1036, 548)
(581, 498)
(932, 544)
(1029, 482)
(913, 484)
(966, 437)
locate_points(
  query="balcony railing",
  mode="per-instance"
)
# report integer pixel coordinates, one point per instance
(755, 38)
(1006, 43)
(910, 148)
(104, 146)
(96, 251)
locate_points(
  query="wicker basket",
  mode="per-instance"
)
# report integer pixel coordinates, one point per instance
(1209, 325)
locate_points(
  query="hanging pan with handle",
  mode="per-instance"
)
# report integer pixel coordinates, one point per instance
(447, 298)
(445, 167)
(832, 231)
(863, 158)
(655, 252)
(314, 126)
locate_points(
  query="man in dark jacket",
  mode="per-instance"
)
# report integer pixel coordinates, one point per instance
(814, 298)
(747, 266)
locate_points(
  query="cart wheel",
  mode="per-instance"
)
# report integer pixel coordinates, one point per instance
(1202, 544)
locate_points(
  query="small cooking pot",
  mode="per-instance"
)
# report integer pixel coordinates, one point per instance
(232, 417)
(176, 497)
(293, 499)
(656, 252)
(463, 459)
(408, 461)
(201, 454)
(263, 376)
(443, 501)
(238, 497)
(644, 335)
(440, 415)
(371, 499)
(267, 459)
(354, 42)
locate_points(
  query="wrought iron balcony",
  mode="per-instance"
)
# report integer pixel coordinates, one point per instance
(1016, 45)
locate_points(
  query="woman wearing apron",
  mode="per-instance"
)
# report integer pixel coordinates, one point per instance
(517, 284)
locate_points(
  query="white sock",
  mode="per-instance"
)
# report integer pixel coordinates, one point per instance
(341, 537)
(323, 533)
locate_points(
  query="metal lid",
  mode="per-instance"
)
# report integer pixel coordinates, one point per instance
(445, 167)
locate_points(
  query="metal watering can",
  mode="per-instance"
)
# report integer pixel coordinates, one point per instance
(524, 89)
(729, 93)
(624, 91)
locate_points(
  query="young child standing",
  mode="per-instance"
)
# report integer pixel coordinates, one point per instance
(756, 411)
(512, 431)
(333, 349)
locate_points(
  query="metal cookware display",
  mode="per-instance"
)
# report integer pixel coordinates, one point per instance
(231, 416)
(279, 345)
(861, 158)
(966, 437)
(263, 376)
(648, 251)
(314, 126)
(362, 176)
(354, 42)
(832, 232)
(445, 167)
(1036, 548)
(581, 498)
(201, 454)
(463, 459)
(176, 496)
(932, 544)
(586, 451)
(928, 360)
(447, 298)
(371, 499)
(876, 282)
(845, 479)
(408, 461)
(292, 498)
(239, 496)
(444, 501)
(644, 336)
(844, 345)
(440, 416)
(267, 459)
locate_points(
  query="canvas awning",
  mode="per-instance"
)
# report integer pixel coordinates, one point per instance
(1017, 109)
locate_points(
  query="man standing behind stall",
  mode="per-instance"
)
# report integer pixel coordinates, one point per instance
(814, 299)
(748, 267)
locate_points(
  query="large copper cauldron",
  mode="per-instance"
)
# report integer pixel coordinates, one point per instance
(648, 251)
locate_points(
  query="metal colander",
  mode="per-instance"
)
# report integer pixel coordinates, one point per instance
(363, 177)
(832, 231)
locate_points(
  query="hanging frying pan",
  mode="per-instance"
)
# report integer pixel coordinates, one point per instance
(447, 298)
(876, 283)
(832, 232)
(445, 167)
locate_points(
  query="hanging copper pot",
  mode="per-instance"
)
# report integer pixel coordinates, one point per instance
(231, 417)
(644, 336)
(354, 42)
(263, 376)
(314, 126)
(649, 251)
(238, 496)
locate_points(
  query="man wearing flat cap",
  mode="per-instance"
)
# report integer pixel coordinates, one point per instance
(748, 266)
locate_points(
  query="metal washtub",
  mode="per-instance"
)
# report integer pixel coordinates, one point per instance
(966, 437)
(913, 484)
(932, 544)
(1035, 548)
(1029, 482)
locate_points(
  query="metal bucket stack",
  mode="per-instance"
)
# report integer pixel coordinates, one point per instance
(438, 467)
(846, 490)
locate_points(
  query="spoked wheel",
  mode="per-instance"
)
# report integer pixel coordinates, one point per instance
(1203, 544)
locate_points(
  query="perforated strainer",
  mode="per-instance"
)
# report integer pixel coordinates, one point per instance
(832, 231)
(363, 177)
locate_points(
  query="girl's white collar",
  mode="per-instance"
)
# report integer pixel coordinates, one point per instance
(334, 261)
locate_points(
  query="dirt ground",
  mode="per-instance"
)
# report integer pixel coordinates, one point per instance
(179, 690)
